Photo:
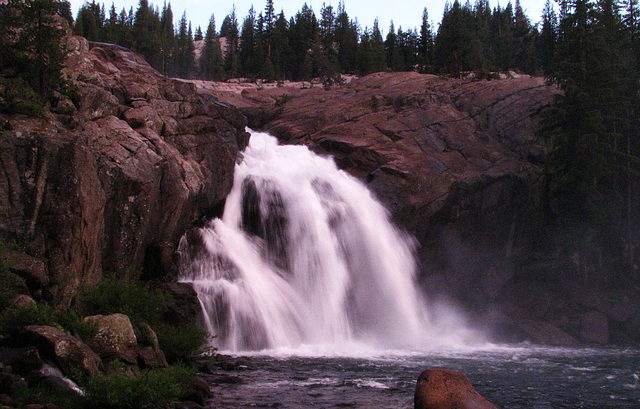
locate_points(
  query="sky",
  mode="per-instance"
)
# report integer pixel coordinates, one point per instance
(405, 14)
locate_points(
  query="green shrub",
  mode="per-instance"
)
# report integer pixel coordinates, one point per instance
(11, 285)
(12, 320)
(136, 300)
(151, 389)
(181, 344)
(283, 99)
(41, 395)
(73, 323)
(19, 98)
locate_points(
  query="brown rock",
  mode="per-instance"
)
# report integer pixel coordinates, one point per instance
(93, 193)
(115, 337)
(595, 328)
(66, 351)
(29, 267)
(151, 356)
(23, 300)
(446, 389)
(547, 334)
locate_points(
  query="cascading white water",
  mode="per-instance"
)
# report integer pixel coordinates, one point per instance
(304, 254)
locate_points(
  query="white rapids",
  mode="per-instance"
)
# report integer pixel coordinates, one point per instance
(304, 255)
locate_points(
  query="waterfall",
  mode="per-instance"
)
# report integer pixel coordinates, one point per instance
(303, 254)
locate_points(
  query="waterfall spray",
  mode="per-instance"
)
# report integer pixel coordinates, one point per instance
(303, 254)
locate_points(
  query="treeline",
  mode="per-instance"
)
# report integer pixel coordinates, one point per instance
(270, 46)
(593, 167)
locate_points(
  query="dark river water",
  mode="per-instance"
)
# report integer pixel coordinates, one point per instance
(508, 376)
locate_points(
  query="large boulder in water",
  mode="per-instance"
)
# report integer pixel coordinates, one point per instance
(446, 389)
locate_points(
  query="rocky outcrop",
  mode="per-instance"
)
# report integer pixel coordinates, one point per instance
(111, 179)
(446, 389)
(459, 165)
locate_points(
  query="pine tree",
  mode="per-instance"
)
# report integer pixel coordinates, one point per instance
(185, 49)
(425, 45)
(378, 62)
(452, 48)
(250, 61)
(167, 39)
(211, 62)
(346, 40)
(30, 43)
(229, 31)
(146, 34)
(547, 40)
(89, 22)
(392, 54)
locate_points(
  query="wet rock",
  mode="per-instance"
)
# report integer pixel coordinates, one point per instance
(150, 355)
(21, 360)
(115, 337)
(196, 389)
(446, 389)
(183, 305)
(595, 328)
(547, 334)
(66, 351)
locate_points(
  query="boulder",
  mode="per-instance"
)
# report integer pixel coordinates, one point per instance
(183, 305)
(115, 337)
(23, 300)
(64, 350)
(446, 389)
(149, 354)
(21, 360)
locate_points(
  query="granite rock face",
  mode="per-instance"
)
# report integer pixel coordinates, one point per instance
(459, 164)
(110, 180)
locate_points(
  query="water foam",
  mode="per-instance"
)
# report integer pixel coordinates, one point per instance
(305, 255)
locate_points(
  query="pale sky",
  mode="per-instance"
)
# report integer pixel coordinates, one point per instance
(407, 14)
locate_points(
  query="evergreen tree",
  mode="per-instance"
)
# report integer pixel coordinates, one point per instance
(111, 26)
(392, 52)
(30, 45)
(346, 40)
(452, 48)
(229, 31)
(425, 45)
(146, 34)
(303, 37)
(185, 49)
(198, 36)
(249, 58)
(90, 22)
(547, 40)
(211, 62)
(280, 47)
(378, 62)
(325, 54)
(523, 42)
(167, 39)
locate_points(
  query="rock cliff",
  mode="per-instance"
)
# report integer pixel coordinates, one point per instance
(111, 178)
(459, 164)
